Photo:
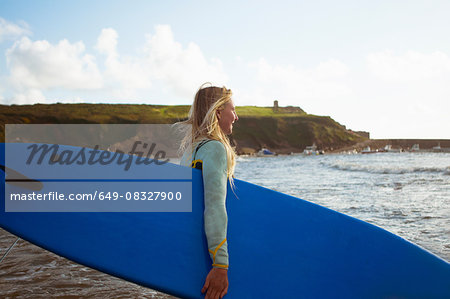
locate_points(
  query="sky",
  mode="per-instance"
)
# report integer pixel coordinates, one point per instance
(376, 66)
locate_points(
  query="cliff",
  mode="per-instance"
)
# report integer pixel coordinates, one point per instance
(283, 130)
(285, 134)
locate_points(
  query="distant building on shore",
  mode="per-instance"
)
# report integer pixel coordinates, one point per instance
(287, 109)
(275, 106)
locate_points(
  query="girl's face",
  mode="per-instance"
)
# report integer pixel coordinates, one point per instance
(227, 116)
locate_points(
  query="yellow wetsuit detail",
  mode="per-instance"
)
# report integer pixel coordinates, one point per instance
(220, 266)
(197, 164)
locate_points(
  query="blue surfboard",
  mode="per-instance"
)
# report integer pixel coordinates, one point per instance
(280, 246)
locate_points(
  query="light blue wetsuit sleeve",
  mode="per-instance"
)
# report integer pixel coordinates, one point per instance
(214, 160)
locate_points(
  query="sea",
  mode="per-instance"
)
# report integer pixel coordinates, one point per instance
(407, 194)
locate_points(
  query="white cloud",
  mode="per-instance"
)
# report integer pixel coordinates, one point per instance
(123, 74)
(411, 79)
(10, 30)
(39, 65)
(181, 69)
(410, 66)
(42, 65)
(331, 69)
(107, 43)
(162, 61)
(310, 88)
(31, 95)
(404, 92)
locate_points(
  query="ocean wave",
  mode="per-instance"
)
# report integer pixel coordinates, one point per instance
(387, 169)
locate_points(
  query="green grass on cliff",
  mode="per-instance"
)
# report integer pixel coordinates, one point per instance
(254, 111)
(91, 113)
(120, 113)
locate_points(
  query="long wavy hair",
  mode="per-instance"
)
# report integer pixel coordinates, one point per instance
(205, 124)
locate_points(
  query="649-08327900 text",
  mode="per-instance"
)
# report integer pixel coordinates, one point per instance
(54, 195)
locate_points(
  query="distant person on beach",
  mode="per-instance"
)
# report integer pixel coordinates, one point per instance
(207, 147)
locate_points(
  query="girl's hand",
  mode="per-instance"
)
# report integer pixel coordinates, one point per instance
(216, 283)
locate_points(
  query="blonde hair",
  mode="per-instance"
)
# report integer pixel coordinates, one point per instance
(205, 124)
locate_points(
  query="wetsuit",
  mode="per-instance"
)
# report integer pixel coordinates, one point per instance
(210, 156)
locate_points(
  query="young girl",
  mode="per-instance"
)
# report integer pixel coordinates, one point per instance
(207, 147)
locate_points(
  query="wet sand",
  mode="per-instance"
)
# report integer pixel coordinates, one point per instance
(32, 272)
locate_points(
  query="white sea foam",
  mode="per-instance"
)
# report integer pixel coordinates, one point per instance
(385, 169)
